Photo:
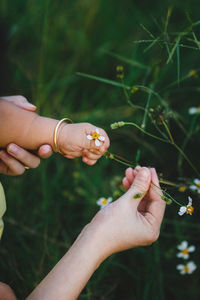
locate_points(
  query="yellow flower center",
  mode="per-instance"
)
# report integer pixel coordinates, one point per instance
(198, 108)
(185, 251)
(104, 201)
(182, 188)
(95, 136)
(190, 209)
(198, 185)
(186, 269)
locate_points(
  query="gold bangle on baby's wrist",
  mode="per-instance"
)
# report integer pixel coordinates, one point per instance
(55, 135)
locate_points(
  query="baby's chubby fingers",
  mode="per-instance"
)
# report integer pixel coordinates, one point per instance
(88, 161)
(91, 155)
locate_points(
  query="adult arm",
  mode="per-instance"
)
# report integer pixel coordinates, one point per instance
(132, 220)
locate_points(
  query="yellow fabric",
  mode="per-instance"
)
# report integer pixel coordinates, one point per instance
(2, 208)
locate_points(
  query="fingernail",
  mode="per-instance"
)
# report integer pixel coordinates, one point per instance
(29, 105)
(12, 148)
(143, 174)
(3, 154)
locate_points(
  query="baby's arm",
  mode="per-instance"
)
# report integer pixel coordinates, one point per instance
(29, 130)
(132, 220)
(25, 128)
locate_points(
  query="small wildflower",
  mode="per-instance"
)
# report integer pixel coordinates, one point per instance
(194, 110)
(117, 125)
(185, 250)
(189, 268)
(186, 209)
(182, 188)
(134, 90)
(96, 137)
(103, 202)
(193, 73)
(120, 72)
(196, 185)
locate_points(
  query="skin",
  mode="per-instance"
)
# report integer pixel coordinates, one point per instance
(124, 224)
(14, 159)
(29, 131)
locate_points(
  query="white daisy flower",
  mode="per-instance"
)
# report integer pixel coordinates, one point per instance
(103, 202)
(186, 209)
(189, 268)
(194, 110)
(196, 185)
(96, 137)
(185, 250)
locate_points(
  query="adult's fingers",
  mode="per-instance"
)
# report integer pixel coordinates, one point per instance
(129, 176)
(45, 151)
(140, 185)
(23, 156)
(20, 101)
(9, 165)
(156, 206)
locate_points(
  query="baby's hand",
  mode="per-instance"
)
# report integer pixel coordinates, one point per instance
(83, 140)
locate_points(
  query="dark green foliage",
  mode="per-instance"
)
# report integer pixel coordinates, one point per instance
(43, 45)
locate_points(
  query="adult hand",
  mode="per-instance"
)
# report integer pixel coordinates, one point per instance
(135, 218)
(15, 159)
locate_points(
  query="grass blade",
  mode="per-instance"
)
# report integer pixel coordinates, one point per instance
(104, 80)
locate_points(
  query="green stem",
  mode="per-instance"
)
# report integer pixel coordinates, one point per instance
(168, 131)
(166, 194)
(187, 159)
(146, 132)
(179, 149)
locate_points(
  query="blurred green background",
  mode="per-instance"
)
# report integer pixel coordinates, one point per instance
(43, 45)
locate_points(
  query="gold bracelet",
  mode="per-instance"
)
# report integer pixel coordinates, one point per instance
(56, 133)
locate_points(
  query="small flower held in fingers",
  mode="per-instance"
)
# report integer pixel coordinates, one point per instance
(96, 137)
(186, 209)
(185, 250)
(189, 268)
(103, 202)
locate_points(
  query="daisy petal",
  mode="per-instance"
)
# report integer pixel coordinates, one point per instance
(191, 248)
(196, 181)
(97, 130)
(183, 245)
(193, 110)
(101, 138)
(97, 143)
(89, 137)
(193, 187)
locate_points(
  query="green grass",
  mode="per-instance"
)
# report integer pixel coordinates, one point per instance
(44, 46)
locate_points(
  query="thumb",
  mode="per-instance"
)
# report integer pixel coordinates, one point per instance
(140, 185)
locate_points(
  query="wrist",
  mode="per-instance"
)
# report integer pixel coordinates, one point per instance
(95, 235)
(41, 131)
